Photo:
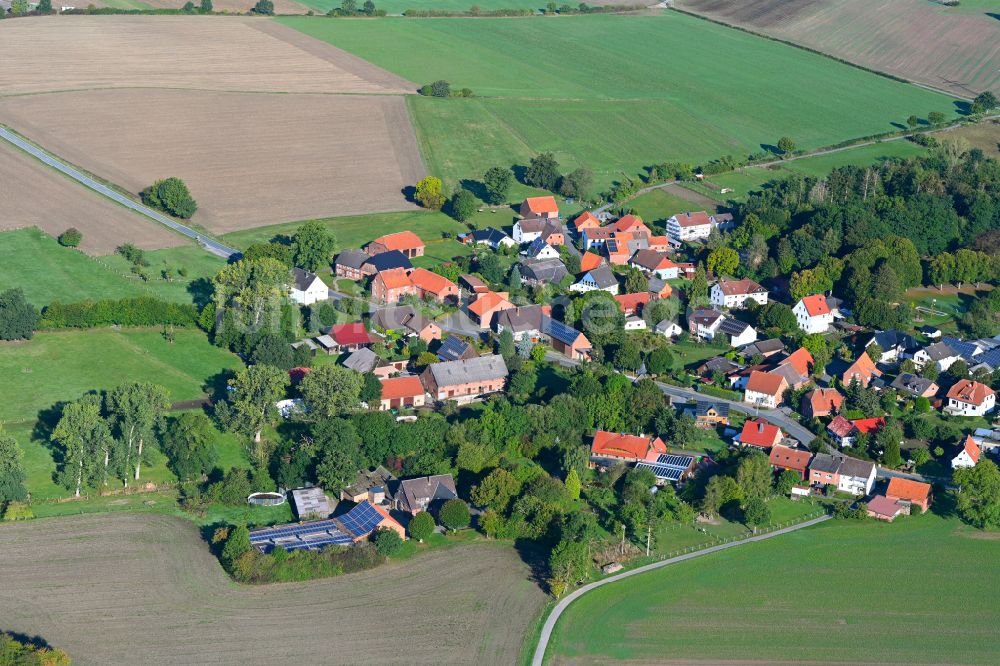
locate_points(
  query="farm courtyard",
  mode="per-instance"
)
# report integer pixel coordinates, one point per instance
(166, 600)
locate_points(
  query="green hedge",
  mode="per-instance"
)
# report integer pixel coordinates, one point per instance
(708, 389)
(141, 311)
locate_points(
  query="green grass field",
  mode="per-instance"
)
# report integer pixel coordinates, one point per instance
(659, 205)
(842, 592)
(643, 101)
(400, 6)
(46, 271)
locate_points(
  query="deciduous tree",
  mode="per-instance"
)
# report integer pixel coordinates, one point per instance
(421, 526)
(12, 474)
(428, 193)
(455, 514)
(313, 245)
(18, 317)
(84, 439)
(331, 390)
(497, 181)
(135, 409)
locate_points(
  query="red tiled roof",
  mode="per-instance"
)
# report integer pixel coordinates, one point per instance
(801, 360)
(883, 506)
(914, 491)
(632, 301)
(862, 369)
(970, 392)
(394, 278)
(630, 223)
(403, 240)
(868, 425)
(589, 261)
(816, 305)
(698, 219)
(840, 426)
(586, 219)
(760, 433)
(432, 282)
(488, 301)
(766, 383)
(350, 334)
(972, 448)
(825, 400)
(401, 387)
(613, 444)
(740, 287)
(542, 204)
(787, 458)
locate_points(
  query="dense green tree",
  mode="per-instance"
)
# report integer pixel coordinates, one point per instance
(339, 457)
(497, 181)
(135, 409)
(12, 474)
(273, 350)
(756, 512)
(697, 291)
(253, 290)
(387, 541)
(628, 356)
(777, 316)
(786, 144)
(754, 476)
(573, 485)
(455, 515)
(84, 441)
(496, 490)
(254, 392)
(18, 317)
(237, 544)
(635, 281)
(723, 261)
(265, 7)
(462, 205)
(985, 101)
(660, 361)
(312, 246)
(786, 481)
(428, 193)
(979, 494)
(936, 117)
(577, 183)
(720, 491)
(371, 390)
(189, 444)
(70, 238)
(172, 196)
(543, 172)
(421, 526)
(569, 563)
(331, 390)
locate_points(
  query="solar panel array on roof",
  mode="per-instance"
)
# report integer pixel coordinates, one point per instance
(668, 467)
(361, 520)
(671, 460)
(560, 331)
(311, 535)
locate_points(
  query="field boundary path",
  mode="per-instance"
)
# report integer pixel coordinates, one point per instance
(211, 245)
(550, 622)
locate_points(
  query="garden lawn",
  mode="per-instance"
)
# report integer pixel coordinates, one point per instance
(46, 271)
(842, 592)
(64, 365)
(659, 205)
(647, 100)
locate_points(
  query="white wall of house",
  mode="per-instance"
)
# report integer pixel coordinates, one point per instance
(522, 236)
(959, 408)
(857, 485)
(745, 338)
(760, 399)
(317, 291)
(678, 233)
(734, 301)
(963, 459)
(810, 324)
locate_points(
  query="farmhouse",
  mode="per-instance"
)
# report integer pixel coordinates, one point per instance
(621, 247)
(349, 337)
(765, 389)
(427, 493)
(566, 340)
(536, 272)
(840, 430)
(466, 379)
(657, 264)
(523, 322)
(848, 474)
(968, 455)
(734, 294)
(909, 494)
(668, 328)
(821, 402)
(760, 434)
(634, 323)
(404, 318)
(490, 237)
(400, 392)
(632, 304)
(384, 262)
(454, 348)
(539, 207)
(311, 503)
(609, 447)
(406, 242)
(431, 285)
(371, 485)
(969, 398)
(797, 460)
(352, 527)
(633, 224)
(596, 238)
(391, 285)
(362, 361)
(585, 220)
(599, 278)
(472, 284)
(486, 306)
(349, 264)
(659, 288)
(862, 371)
(940, 354)
(813, 314)
(528, 231)
(307, 288)
(539, 249)
(914, 385)
(685, 227)
(766, 348)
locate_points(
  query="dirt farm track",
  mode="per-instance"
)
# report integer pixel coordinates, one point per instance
(263, 123)
(143, 589)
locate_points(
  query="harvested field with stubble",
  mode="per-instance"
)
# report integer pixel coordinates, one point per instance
(165, 600)
(917, 40)
(33, 195)
(249, 159)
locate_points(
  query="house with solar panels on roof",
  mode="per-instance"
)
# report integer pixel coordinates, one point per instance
(346, 530)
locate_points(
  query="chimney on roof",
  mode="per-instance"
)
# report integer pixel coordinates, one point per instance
(760, 426)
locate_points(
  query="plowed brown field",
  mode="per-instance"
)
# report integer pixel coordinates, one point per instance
(143, 589)
(913, 39)
(249, 159)
(136, 98)
(32, 195)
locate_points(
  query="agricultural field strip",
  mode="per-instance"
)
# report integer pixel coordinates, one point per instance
(550, 622)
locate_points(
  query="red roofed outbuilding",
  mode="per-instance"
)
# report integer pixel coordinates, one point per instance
(629, 448)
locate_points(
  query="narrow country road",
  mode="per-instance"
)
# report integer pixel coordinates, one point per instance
(213, 246)
(557, 611)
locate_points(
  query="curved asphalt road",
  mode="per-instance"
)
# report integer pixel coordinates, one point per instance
(550, 621)
(213, 246)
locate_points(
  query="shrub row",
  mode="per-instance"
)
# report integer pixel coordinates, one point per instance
(141, 311)
(299, 565)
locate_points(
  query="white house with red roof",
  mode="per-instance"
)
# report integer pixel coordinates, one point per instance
(685, 227)
(765, 389)
(610, 447)
(968, 456)
(813, 314)
(969, 398)
(734, 294)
